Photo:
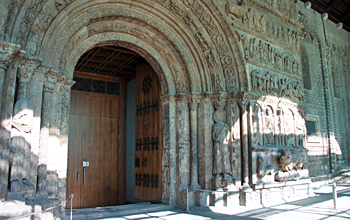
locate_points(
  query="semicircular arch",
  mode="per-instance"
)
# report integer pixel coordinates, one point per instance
(130, 42)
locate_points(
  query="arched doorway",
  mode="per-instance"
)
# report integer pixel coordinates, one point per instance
(114, 153)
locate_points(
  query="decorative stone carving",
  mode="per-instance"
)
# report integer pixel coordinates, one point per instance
(263, 167)
(7, 51)
(268, 83)
(269, 126)
(300, 130)
(221, 165)
(291, 166)
(279, 133)
(256, 130)
(236, 10)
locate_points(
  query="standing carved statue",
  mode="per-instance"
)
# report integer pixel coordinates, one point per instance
(256, 125)
(300, 130)
(221, 152)
(280, 128)
(269, 127)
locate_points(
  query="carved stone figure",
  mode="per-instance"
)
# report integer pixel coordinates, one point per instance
(269, 127)
(289, 129)
(279, 135)
(263, 167)
(300, 130)
(221, 152)
(236, 9)
(256, 126)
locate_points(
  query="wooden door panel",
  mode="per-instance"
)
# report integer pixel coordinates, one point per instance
(74, 166)
(148, 185)
(95, 122)
(91, 150)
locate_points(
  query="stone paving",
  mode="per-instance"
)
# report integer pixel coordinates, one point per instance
(319, 206)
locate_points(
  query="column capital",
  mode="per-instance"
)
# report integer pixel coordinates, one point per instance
(50, 80)
(193, 103)
(243, 102)
(65, 81)
(7, 51)
(26, 69)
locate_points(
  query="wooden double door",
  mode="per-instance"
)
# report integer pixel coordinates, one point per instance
(96, 152)
(148, 142)
(96, 166)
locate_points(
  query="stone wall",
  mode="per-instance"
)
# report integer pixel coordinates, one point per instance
(238, 78)
(327, 55)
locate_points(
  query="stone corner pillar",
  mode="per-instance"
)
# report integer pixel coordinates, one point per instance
(9, 54)
(49, 85)
(193, 105)
(244, 102)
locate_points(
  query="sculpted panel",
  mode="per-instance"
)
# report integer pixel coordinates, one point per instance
(269, 83)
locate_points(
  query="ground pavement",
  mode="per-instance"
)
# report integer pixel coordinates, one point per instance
(320, 206)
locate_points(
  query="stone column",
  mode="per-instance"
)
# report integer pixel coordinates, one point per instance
(244, 103)
(7, 94)
(49, 84)
(7, 51)
(183, 151)
(193, 104)
(64, 132)
(22, 124)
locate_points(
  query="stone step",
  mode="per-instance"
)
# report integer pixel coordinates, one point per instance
(114, 211)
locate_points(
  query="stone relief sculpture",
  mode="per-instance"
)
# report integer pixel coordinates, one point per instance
(300, 131)
(222, 172)
(269, 127)
(256, 125)
(279, 133)
(291, 166)
(236, 9)
(268, 83)
(263, 167)
(289, 129)
(221, 166)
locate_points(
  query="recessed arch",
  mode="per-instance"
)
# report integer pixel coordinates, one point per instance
(207, 56)
(132, 43)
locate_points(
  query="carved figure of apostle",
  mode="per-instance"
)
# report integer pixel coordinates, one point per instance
(257, 139)
(221, 152)
(280, 128)
(269, 127)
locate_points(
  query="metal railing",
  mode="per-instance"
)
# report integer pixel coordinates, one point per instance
(50, 208)
(334, 189)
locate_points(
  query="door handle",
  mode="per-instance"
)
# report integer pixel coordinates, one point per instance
(78, 176)
(84, 176)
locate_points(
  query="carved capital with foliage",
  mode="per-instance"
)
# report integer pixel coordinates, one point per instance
(26, 69)
(243, 102)
(7, 51)
(193, 103)
(50, 80)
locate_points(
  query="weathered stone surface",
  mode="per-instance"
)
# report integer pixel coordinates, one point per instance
(241, 81)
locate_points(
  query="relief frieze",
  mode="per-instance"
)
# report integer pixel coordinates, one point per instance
(263, 52)
(254, 19)
(265, 82)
